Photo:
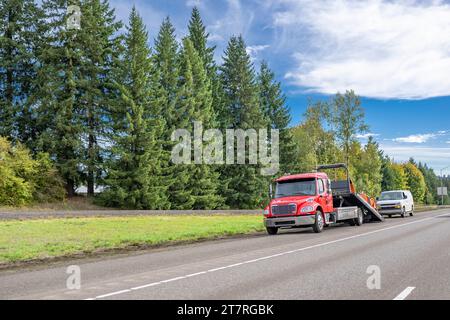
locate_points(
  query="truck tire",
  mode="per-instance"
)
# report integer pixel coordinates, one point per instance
(412, 211)
(360, 219)
(319, 222)
(272, 230)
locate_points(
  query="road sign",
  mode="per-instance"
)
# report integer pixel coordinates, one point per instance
(442, 191)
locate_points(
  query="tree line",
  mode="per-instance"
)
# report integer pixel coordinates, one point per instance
(97, 106)
(329, 134)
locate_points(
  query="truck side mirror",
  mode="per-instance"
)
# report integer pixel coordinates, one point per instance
(377, 198)
(270, 191)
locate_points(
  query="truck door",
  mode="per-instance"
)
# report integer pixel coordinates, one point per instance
(329, 195)
(325, 197)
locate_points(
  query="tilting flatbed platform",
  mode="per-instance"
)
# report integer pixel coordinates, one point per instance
(344, 195)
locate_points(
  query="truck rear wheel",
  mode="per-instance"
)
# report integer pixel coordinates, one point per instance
(319, 223)
(360, 219)
(272, 230)
(412, 211)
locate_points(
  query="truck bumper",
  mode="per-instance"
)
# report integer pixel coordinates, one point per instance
(296, 221)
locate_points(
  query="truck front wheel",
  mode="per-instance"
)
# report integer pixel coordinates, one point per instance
(319, 223)
(272, 230)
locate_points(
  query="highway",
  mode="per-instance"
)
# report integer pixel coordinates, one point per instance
(411, 254)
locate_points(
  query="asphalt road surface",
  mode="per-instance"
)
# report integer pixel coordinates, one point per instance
(411, 255)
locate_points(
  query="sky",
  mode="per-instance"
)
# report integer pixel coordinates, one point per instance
(394, 54)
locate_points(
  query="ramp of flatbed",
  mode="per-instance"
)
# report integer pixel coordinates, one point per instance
(360, 202)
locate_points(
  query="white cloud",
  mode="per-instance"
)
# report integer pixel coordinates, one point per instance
(234, 21)
(366, 135)
(435, 157)
(194, 3)
(420, 138)
(416, 138)
(253, 51)
(379, 48)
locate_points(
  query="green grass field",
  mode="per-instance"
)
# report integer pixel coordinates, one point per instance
(46, 238)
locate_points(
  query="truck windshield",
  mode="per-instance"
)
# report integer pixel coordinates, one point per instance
(391, 196)
(305, 187)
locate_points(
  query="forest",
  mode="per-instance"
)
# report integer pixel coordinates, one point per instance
(97, 105)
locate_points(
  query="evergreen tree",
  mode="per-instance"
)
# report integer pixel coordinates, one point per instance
(73, 95)
(167, 64)
(165, 94)
(20, 31)
(199, 38)
(58, 81)
(199, 189)
(273, 103)
(432, 182)
(244, 187)
(133, 176)
(100, 49)
(388, 173)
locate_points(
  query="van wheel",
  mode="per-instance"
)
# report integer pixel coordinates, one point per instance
(272, 230)
(319, 223)
(403, 212)
(412, 211)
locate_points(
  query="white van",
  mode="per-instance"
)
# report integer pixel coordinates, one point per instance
(396, 202)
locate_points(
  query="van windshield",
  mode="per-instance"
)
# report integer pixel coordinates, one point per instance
(304, 187)
(391, 196)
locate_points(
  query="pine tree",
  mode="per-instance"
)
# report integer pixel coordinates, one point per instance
(100, 49)
(133, 175)
(199, 185)
(58, 81)
(199, 38)
(166, 62)
(273, 103)
(73, 89)
(244, 187)
(168, 93)
(20, 30)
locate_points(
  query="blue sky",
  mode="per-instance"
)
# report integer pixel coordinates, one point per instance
(394, 54)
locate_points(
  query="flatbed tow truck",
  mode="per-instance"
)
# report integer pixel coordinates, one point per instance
(313, 200)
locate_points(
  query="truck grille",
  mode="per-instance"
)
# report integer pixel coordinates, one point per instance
(284, 209)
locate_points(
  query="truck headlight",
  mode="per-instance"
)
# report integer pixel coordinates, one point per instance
(307, 209)
(398, 206)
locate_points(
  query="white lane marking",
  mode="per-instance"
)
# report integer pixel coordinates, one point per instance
(113, 294)
(404, 293)
(266, 257)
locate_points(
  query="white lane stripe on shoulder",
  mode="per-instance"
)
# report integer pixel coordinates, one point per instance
(405, 293)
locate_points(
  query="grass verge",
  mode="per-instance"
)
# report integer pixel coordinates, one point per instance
(29, 240)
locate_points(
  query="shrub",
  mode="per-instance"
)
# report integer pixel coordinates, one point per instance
(24, 180)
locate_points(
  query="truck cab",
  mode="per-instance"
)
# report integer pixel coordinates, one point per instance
(313, 200)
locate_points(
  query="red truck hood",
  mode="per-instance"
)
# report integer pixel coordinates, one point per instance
(298, 200)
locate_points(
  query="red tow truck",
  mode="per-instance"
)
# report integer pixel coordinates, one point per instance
(313, 200)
